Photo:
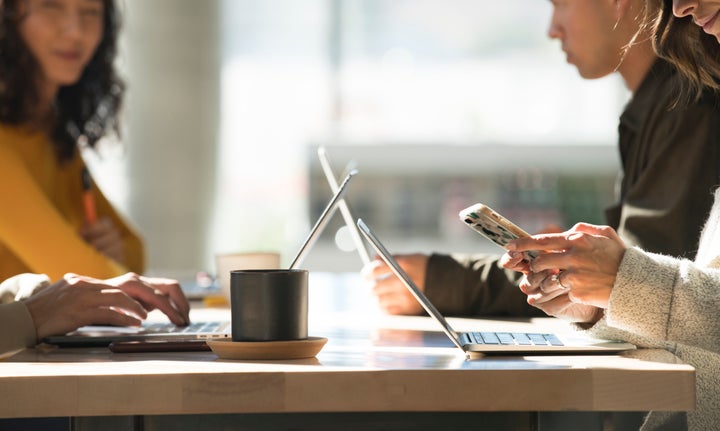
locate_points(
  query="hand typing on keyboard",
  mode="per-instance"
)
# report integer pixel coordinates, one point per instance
(77, 301)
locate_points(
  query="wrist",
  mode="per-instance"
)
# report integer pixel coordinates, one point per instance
(596, 317)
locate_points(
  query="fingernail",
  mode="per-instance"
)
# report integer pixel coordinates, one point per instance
(510, 246)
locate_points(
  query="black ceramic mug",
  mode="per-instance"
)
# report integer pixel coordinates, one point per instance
(269, 304)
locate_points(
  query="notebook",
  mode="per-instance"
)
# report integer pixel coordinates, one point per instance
(165, 331)
(477, 344)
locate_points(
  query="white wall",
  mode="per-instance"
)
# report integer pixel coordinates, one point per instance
(171, 61)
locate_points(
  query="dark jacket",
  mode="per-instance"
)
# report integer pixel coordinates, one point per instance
(671, 164)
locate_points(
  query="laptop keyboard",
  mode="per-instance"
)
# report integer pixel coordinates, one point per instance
(513, 339)
(169, 328)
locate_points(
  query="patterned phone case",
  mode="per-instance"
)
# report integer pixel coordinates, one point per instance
(492, 225)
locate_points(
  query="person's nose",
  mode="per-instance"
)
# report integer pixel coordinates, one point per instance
(554, 31)
(682, 8)
(72, 24)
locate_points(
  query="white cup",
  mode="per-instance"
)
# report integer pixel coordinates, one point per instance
(226, 262)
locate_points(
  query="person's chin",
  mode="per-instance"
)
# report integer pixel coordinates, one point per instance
(65, 72)
(584, 71)
(587, 74)
(67, 79)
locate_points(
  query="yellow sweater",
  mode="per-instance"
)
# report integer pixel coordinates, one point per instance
(41, 212)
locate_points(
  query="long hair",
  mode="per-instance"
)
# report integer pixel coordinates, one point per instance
(695, 53)
(87, 109)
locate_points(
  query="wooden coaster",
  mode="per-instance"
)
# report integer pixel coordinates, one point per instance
(292, 349)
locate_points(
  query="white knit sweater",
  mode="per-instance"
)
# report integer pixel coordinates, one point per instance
(17, 329)
(658, 301)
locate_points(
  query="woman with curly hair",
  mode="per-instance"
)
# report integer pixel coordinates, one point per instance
(58, 89)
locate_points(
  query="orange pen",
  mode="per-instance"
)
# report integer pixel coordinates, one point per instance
(88, 198)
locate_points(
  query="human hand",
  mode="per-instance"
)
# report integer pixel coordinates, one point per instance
(105, 237)
(545, 292)
(73, 302)
(515, 261)
(393, 297)
(164, 294)
(77, 301)
(585, 260)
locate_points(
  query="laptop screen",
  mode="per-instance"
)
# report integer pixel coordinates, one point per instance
(343, 206)
(322, 221)
(417, 293)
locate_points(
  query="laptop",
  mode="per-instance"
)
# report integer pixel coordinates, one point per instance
(156, 332)
(323, 220)
(480, 343)
(343, 206)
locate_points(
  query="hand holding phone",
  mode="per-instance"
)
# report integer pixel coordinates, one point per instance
(490, 224)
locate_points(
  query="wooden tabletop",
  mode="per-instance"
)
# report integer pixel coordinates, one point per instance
(370, 363)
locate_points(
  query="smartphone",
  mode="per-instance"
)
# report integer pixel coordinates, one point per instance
(490, 224)
(158, 346)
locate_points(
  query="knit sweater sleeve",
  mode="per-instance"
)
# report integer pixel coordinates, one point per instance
(17, 329)
(665, 299)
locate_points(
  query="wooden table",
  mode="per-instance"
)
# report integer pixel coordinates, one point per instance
(376, 372)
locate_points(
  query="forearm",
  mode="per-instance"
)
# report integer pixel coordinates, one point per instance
(475, 285)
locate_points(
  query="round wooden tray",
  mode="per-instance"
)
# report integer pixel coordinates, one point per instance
(291, 349)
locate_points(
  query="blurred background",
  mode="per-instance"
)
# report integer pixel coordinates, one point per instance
(439, 103)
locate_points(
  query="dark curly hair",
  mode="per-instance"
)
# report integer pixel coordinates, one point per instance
(695, 53)
(86, 110)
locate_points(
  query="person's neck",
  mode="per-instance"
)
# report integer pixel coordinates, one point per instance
(636, 64)
(44, 114)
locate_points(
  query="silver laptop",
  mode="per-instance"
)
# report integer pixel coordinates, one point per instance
(165, 331)
(343, 206)
(476, 344)
(337, 199)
